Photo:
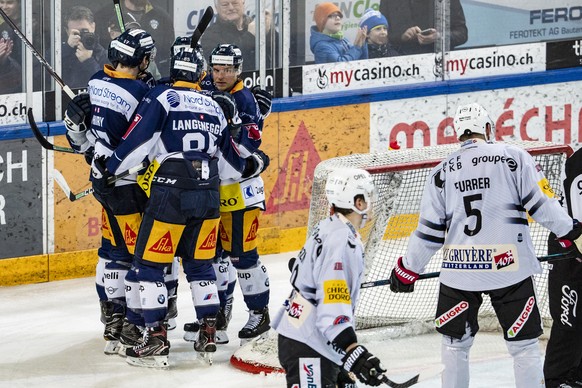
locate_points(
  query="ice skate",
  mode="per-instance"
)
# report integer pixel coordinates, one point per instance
(131, 335)
(153, 351)
(113, 325)
(172, 311)
(257, 325)
(206, 340)
(191, 331)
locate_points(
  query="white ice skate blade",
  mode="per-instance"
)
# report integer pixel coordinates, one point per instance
(221, 337)
(160, 362)
(111, 347)
(208, 357)
(171, 324)
(123, 349)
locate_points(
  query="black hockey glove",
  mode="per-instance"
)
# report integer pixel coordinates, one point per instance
(89, 155)
(148, 79)
(264, 100)
(100, 175)
(344, 380)
(256, 164)
(78, 110)
(364, 365)
(228, 105)
(402, 279)
(573, 240)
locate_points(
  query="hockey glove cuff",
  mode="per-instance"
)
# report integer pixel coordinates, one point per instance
(402, 279)
(256, 164)
(365, 366)
(264, 100)
(573, 240)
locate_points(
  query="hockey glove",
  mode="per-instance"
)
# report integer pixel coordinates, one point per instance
(148, 79)
(78, 110)
(264, 100)
(402, 279)
(99, 175)
(573, 240)
(228, 105)
(364, 365)
(256, 164)
(89, 155)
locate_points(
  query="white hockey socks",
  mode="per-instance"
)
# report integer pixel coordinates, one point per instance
(254, 284)
(205, 298)
(527, 363)
(455, 358)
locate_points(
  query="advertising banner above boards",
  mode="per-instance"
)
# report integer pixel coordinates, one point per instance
(567, 53)
(13, 108)
(521, 21)
(21, 198)
(551, 112)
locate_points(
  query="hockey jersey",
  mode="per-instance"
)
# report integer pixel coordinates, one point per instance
(178, 122)
(114, 99)
(326, 285)
(474, 206)
(239, 193)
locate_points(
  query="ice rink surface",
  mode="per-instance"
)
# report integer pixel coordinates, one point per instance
(52, 337)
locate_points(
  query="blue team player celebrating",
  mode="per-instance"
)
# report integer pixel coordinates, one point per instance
(185, 136)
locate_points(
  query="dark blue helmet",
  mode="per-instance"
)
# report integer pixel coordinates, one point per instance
(131, 47)
(227, 55)
(187, 65)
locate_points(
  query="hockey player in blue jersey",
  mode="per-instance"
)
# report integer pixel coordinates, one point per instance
(96, 121)
(475, 205)
(185, 137)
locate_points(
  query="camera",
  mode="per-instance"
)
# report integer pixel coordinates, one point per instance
(88, 39)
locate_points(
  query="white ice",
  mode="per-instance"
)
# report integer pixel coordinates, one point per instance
(51, 336)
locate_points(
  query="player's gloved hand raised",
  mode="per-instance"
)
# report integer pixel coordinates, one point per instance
(77, 111)
(256, 164)
(264, 100)
(228, 105)
(364, 365)
(402, 279)
(573, 240)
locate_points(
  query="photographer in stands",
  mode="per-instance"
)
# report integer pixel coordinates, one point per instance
(83, 56)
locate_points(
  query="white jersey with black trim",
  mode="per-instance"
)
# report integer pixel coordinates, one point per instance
(474, 206)
(326, 284)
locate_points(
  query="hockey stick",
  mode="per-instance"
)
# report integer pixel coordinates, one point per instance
(424, 375)
(38, 56)
(41, 139)
(119, 15)
(431, 275)
(201, 27)
(60, 179)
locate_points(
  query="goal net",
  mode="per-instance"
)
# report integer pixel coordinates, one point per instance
(400, 177)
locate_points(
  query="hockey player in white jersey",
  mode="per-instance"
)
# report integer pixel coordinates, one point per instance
(316, 325)
(475, 206)
(184, 134)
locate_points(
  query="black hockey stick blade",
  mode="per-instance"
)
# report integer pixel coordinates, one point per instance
(201, 27)
(41, 139)
(60, 179)
(119, 15)
(423, 375)
(431, 275)
(38, 56)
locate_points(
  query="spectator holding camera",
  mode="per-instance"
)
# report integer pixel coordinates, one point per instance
(83, 56)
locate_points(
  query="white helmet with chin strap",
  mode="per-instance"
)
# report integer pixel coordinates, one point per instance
(344, 185)
(473, 118)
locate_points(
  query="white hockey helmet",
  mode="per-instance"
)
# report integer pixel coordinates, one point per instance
(473, 118)
(343, 185)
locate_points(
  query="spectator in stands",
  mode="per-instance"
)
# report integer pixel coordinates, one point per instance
(327, 40)
(232, 26)
(10, 70)
(376, 26)
(271, 34)
(83, 56)
(412, 25)
(152, 19)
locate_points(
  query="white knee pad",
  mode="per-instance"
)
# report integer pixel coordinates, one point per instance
(254, 280)
(223, 268)
(153, 295)
(204, 293)
(132, 296)
(455, 357)
(99, 269)
(527, 363)
(113, 281)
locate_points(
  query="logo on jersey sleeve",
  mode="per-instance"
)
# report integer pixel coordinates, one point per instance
(135, 122)
(336, 291)
(546, 188)
(253, 131)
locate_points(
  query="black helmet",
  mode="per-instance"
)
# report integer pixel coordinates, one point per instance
(131, 47)
(187, 65)
(225, 55)
(180, 43)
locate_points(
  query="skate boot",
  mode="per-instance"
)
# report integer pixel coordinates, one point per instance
(206, 340)
(191, 331)
(172, 311)
(113, 325)
(257, 324)
(153, 351)
(222, 320)
(103, 306)
(131, 335)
